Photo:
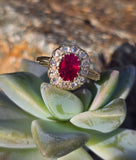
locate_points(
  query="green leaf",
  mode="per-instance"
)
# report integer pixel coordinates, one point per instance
(89, 84)
(105, 88)
(21, 154)
(79, 154)
(16, 134)
(56, 139)
(85, 96)
(127, 77)
(10, 111)
(35, 68)
(24, 89)
(62, 104)
(117, 145)
(15, 131)
(105, 119)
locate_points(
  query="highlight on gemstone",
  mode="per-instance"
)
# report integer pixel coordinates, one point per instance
(69, 66)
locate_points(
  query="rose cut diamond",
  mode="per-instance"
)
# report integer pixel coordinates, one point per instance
(57, 53)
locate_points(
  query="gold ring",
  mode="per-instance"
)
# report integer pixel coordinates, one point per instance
(69, 67)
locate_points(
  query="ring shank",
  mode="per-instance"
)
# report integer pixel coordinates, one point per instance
(92, 74)
(43, 60)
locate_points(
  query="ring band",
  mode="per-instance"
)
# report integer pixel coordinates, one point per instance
(69, 67)
(92, 74)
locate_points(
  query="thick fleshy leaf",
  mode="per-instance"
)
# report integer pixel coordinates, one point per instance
(89, 84)
(85, 96)
(56, 139)
(105, 119)
(127, 77)
(35, 68)
(15, 125)
(16, 134)
(79, 154)
(117, 145)
(21, 154)
(10, 111)
(105, 87)
(24, 89)
(62, 104)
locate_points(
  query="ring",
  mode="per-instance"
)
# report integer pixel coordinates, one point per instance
(69, 67)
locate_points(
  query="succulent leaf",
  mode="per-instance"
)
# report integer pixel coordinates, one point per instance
(24, 89)
(91, 86)
(10, 111)
(21, 154)
(35, 68)
(56, 139)
(105, 88)
(127, 77)
(15, 125)
(85, 96)
(16, 134)
(117, 145)
(79, 154)
(62, 104)
(105, 119)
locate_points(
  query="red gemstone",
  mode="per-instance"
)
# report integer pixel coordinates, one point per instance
(69, 67)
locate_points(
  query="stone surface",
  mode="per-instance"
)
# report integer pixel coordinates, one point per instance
(69, 67)
(36, 27)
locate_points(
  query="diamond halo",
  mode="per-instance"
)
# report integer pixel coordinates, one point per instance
(71, 54)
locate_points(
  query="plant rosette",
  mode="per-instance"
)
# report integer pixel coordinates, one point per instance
(41, 122)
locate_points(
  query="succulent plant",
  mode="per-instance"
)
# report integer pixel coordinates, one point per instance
(41, 122)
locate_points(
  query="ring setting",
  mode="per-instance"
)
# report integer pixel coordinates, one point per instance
(69, 67)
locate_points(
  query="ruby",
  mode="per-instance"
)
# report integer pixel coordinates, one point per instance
(69, 67)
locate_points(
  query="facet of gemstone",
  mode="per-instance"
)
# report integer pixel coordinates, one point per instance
(80, 80)
(85, 63)
(75, 49)
(53, 62)
(73, 84)
(84, 72)
(57, 53)
(63, 84)
(65, 49)
(82, 54)
(52, 74)
(54, 80)
(69, 67)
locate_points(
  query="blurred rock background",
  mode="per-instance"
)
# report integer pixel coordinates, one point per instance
(35, 27)
(105, 28)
